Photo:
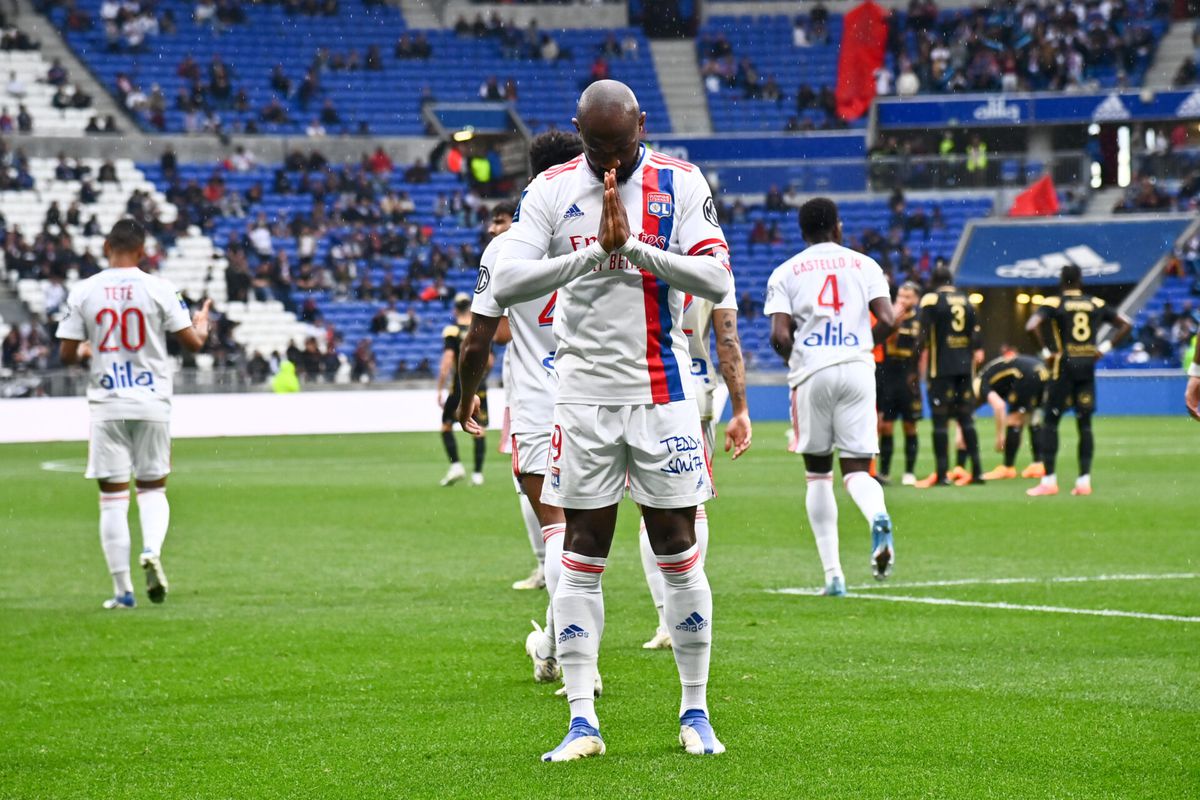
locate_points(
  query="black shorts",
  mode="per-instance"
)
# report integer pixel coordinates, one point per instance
(897, 398)
(1026, 395)
(450, 409)
(951, 396)
(1071, 391)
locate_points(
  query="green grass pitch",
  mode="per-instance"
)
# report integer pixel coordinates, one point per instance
(339, 626)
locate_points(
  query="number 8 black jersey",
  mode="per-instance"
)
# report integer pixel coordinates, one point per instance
(1073, 319)
(951, 332)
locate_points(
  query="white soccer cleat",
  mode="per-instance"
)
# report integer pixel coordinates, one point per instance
(477, 479)
(908, 480)
(121, 601)
(597, 688)
(697, 736)
(540, 648)
(660, 641)
(582, 741)
(455, 474)
(156, 579)
(536, 580)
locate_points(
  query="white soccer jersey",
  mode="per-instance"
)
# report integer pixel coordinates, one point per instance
(619, 332)
(530, 380)
(827, 289)
(697, 324)
(126, 315)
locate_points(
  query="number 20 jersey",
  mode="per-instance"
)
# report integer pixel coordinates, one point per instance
(126, 314)
(619, 329)
(531, 381)
(827, 289)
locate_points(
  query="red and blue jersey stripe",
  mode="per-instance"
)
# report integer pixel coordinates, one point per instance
(666, 382)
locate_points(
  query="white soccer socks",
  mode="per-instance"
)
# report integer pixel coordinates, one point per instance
(579, 623)
(866, 493)
(534, 528)
(687, 604)
(114, 538)
(654, 578)
(823, 516)
(155, 514)
(552, 541)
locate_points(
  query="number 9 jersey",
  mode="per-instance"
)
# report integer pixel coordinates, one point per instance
(125, 314)
(827, 289)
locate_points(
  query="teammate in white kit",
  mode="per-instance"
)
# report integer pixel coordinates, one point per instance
(820, 302)
(700, 316)
(625, 405)
(120, 318)
(530, 390)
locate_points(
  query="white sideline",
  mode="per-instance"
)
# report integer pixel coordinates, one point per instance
(1095, 612)
(1167, 576)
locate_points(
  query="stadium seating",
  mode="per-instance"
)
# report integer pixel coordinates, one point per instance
(1157, 351)
(30, 69)
(191, 264)
(387, 101)
(767, 42)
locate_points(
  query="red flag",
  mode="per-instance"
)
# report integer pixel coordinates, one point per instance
(864, 44)
(1039, 200)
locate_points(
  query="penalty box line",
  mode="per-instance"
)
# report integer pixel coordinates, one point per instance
(858, 594)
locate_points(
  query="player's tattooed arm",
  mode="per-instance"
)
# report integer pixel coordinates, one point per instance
(733, 370)
(473, 362)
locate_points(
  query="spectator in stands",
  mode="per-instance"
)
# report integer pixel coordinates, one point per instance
(274, 113)
(490, 89)
(107, 172)
(422, 49)
(57, 74)
(417, 173)
(329, 114)
(1186, 74)
(24, 120)
(310, 360)
(363, 368)
(374, 60)
(599, 71)
(16, 87)
(774, 199)
(61, 100)
(93, 124)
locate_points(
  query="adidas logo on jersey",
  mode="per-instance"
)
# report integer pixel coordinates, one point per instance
(694, 623)
(832, 336)
(573, 212)
(572, 632)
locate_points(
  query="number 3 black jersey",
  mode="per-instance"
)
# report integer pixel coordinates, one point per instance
(951, 332)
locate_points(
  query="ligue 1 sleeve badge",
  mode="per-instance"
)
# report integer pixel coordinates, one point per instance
(659, 204)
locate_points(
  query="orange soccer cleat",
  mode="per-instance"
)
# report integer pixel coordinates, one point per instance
(932, 480)
(966, 479)
(1034, 470)
(1081, 491)
(956, 473)
(1000, 473)
(1043, 490)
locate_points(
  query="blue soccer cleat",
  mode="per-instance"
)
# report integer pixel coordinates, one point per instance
(121, 601)
(696, 734)
(581, 741)
(883, 553)
(836, 587)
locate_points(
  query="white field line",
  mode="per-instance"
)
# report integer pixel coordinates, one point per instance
(1167, 576)
(1094, 612)
(74, 465)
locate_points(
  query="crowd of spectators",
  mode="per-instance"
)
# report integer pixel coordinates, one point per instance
(726, 72)
(1034, 45)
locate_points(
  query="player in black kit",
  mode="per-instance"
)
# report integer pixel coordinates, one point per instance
(898, 388)
(1013, 386)
(950, 332)
(452, 336)
(1066, 328)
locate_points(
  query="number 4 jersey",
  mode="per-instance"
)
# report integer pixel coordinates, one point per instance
(125, 314)
(531, 382)
(827, 289)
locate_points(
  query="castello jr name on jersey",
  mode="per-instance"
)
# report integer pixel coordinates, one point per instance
(825, 264)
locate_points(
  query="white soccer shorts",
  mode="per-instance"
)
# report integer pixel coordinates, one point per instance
(658, 448)
(836, 408)
(121, 447)
(530, 452)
